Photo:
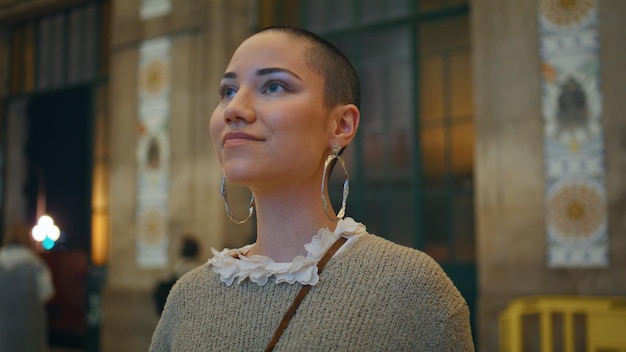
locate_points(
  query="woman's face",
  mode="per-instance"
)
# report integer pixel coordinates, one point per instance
(271, 127)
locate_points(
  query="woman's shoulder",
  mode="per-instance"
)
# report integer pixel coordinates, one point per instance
(397, 265)
(391, 254)
(200, 276)
(186, 288)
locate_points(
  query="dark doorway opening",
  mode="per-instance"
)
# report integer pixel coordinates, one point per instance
(59, 162)
(59, 155)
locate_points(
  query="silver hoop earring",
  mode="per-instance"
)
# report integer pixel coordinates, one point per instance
(228, 211)
(346, 183)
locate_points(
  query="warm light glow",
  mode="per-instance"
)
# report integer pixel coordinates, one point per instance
(45, 221)
(46, 232)
(100, 219)
(54, 233)
(39, 233)
(99, 238)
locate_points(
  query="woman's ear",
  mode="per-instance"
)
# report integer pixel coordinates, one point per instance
(346, 123)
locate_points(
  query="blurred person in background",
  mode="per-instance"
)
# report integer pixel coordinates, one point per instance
(188, 259)
(25, 287)
(189, 250)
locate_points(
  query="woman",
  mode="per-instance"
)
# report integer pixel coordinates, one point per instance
(289, 104)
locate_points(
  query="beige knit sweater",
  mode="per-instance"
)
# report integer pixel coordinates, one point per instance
(373, 296)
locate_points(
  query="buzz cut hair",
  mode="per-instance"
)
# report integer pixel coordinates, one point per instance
(341, 80)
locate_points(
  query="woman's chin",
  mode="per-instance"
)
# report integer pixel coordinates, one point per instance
(238, 176)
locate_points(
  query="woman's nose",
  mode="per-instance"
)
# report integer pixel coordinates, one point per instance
(240, 107)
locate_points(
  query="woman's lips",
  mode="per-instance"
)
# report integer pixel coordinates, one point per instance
(232, 138)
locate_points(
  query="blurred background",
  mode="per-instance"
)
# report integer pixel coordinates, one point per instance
(489, 140)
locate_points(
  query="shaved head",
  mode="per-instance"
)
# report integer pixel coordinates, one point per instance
(341, 81)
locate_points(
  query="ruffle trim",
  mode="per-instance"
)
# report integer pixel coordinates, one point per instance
(232, 264)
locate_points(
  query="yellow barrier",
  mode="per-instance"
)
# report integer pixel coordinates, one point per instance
(564, 323)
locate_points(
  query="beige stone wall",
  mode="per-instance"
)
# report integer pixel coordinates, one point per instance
(509, 160)
(613, 82)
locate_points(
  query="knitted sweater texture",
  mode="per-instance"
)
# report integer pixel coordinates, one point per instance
(373, 296)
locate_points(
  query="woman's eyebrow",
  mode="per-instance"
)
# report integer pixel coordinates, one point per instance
(270, 70)
(264, 72)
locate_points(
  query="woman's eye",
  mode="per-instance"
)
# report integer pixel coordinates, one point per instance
(275, 87)
(226, 92)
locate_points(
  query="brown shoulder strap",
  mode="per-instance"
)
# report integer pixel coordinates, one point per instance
(303, 291)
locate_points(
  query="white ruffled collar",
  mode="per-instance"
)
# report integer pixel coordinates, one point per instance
(232, 264)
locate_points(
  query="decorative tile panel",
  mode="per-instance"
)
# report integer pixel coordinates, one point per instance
(576, 204)
(153, 152)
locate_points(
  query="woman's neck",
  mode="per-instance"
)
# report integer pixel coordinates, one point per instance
(286, 222)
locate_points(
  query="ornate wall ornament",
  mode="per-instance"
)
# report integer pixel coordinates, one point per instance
(564, 13)
(576, 210)
(576, 205)
(154, 77)
(153, 153)
(152, 224)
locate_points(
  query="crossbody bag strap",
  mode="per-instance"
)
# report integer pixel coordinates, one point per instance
(303, 291)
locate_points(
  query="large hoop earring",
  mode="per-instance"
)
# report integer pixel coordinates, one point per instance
(230, 212)
(346, 183)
